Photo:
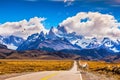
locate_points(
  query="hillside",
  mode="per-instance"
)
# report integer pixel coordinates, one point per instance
(6, 53)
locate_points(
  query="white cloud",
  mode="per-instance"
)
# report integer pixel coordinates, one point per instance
(22, 28)
(98, 25)
(67, 2)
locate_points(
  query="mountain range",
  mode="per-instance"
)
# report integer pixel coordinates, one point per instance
(58, 40)
(6, 53)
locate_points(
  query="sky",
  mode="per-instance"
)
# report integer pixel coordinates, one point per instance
(52, 12)
(55, 11)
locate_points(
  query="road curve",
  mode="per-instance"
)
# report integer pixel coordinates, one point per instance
(72, 74)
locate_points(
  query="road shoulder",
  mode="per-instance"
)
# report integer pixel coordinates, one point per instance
(5, 76)
(94, 76)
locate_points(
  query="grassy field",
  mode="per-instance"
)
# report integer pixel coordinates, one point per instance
(18, 66)
(109, 69)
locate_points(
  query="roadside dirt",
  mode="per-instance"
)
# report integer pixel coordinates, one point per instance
(3, 77)
(94, 76)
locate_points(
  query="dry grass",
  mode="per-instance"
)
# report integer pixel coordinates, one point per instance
(109, 69)
(18, 66)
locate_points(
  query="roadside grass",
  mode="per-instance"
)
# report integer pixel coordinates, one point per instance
(19, 66)
(101, 67)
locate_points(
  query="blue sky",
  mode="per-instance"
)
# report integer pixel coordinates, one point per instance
(55, 11)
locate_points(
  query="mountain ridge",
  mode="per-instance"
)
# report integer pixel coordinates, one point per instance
(58, 40)
(57, 37)
(11, 41)
(42, 54)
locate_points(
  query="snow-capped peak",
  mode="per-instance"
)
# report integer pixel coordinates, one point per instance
(59, 36)
(12, 42)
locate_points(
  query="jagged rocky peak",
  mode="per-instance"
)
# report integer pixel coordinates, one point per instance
(42, 34)
(3, 46)
(118, 40)
(11, 41)
(62, 29)
(33, 36)
(106, 39)
(52, 33)
(94, 39)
